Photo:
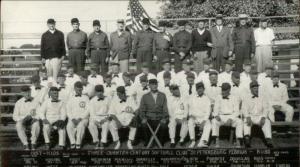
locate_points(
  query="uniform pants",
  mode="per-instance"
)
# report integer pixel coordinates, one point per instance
(236, 122)
(77, 59)
(263, 57)
(219, 62)
(161, 56)
(286, 109)
(143, 56)
(266, 128)
(172, 128)
(161, 134)
(93, 128)
(76, 133)
(242, 53)
(198, 60)
(61, 134)
(192, 123)
(35, 131)
(98, 57)
(113, 127)
(53, 66)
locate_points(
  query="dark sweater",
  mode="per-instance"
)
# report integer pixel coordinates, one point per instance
(199, 42)
(53, 45)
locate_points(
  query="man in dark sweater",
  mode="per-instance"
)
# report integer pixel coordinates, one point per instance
(52, 49)
(201, 43)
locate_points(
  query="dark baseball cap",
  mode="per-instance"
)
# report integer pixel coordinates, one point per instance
(53, 88)
(254, 84)
(225, 86)
(50, 21)
(99, 88)
(74, 20)
(121, 89)
(78, 84)
(167, 74)
(199, 85)
(153, 81)
(96, 23)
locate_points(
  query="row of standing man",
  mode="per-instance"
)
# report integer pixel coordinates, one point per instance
(220, 44)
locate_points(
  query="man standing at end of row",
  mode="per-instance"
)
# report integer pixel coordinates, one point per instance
(52, 49)
(76, 43)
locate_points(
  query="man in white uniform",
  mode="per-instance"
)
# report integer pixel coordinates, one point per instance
(140, 89)
(189, 89)
(94, 78)
(109, 87)
(264, 39)
(98, 109)
(225, 76)
(278, 96)
(180, 78)
(88, 88)
(255, 110)
(212, 90)
(38, 91)
(203, 76)
(26, 116)
(166, 68)
(77, 114)
(178, 115)
(53, 115)
(145, 71)
(199, 112)
(245, 78)
(164, 85)
(71, 78)
(123, 114)
(226, 112)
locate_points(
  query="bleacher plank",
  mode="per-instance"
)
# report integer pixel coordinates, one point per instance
(283, 123)
(285, 57)
(14, 85)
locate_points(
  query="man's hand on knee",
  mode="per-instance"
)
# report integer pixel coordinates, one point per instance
(262, 121)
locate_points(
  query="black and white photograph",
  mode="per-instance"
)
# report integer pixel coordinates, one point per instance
(146, 83)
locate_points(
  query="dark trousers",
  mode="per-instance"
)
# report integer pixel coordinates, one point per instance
(98, 57)
(161, 134)
(77, 59)
(161, 56)
(242, 53)
(219, 61)
(143, 56)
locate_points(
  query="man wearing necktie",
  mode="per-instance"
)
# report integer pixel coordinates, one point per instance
(212, 90)
(64, 91)
(123, 113)
(178, 115)
(25, 116)
(71, 77)
(38, 91)
(255, 110)
(98, 110)
(154, 111)
(226, 112)
(94, 78)
(199, 108)
(109, 86)
(189, 89)
(164, 85)
(278, 96)
(77, 114)
(140, 89)
(222, 43)
(53, 115)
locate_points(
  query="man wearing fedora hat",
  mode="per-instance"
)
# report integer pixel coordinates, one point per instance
(142, 46)
(222, 42)
(244, 43)
(264, 37)
(52, 49)
(120, 46)
(76, 43)
(98, 47)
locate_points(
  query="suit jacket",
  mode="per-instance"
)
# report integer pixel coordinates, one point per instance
(121, 45)
(222, 39)
(152, 110)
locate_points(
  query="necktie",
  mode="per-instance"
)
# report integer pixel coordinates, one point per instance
(254, 96)
(128, 84)
(108, 85)
(226, 97)
(167, 85)
(276, 85)
(190, 89)
(38, 88)
(145, 88)
(235, 85)
(93, 76)
(100, 98)
(28, 100)
(54, 101)
(77, 95)
(123, 101)
(62, 87)
(45, 79)
(213, 85)
(116, 75)
(200, 95)
(70, 76)
(268, 76)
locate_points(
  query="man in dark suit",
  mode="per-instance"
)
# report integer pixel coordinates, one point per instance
(222, 43)
(154, 111)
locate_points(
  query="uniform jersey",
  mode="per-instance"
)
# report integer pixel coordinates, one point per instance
(77, 107)
(117, 79)
(224, 77)
(71, 80)
(160, 76)
(277, 95)
(212, 91)
(149, 75)
(24, 108)
(95, 79)
(177, 107)
(52, 111)
(98, 108)
(39, 93)
(138, 92)
(228, 106)
(255, 106)
(199, 107)
(180, 77)
(186, 91)
(109, 90)
(203, 76)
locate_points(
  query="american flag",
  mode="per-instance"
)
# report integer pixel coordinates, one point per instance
(135, 14)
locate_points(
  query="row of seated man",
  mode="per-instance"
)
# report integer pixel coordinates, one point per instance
(157, 106)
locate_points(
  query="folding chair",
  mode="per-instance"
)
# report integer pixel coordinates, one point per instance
(154, 137)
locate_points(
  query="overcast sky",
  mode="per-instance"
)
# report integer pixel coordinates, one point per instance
(31, 16)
